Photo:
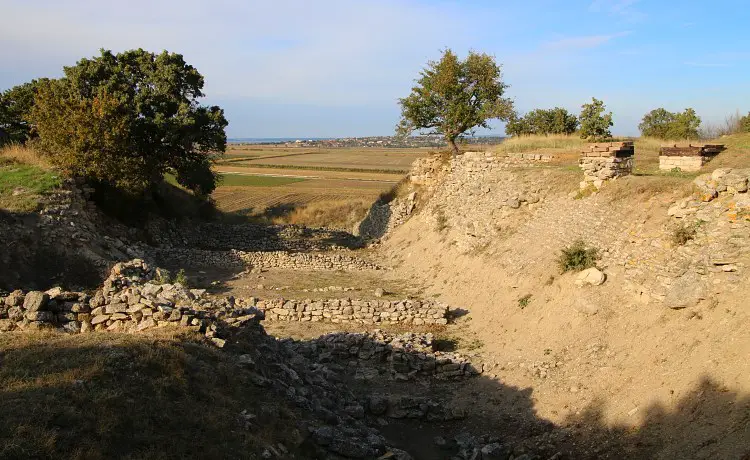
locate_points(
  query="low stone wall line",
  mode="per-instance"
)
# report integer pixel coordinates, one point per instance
(412, 312)
(272, 259)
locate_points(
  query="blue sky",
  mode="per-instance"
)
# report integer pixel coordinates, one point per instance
(294, 68)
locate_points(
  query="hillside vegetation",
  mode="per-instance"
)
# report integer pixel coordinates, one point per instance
(25, 179)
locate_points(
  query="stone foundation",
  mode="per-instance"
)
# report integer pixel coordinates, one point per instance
(412, 312)
(271, 259)
(604, 161)
(687, 158)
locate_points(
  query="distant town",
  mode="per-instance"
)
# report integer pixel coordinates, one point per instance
(373, 141)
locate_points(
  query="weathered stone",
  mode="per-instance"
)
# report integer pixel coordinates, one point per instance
(35, 300)
(117, 307)
(175, 315)
(15, 313)
(72, 327)
(686, 291)
(590, 276)
(145, 324)
(36, 315)
(15, 299)
(99, 319)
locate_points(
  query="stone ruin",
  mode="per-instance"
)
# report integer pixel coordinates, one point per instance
(132, 300)
(414, 312)
(687, 157)
(604, 161)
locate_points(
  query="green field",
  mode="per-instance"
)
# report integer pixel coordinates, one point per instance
(241, 180)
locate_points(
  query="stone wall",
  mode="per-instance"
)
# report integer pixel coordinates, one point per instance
(412, 312)
(384, 217)
(127, 302)
(130, 300)
(403, 357)
(249, 237)
(687, 157)
(177, 257)
(605, 161)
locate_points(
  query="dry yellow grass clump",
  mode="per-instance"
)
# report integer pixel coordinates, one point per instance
(23, 154)
(342, 214)
(521, 144)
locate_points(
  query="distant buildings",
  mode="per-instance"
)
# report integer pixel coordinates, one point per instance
(380, 141)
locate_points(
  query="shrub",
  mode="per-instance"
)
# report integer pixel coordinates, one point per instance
(162, 276)
(577, 257)
(524, 301)
(181, 278)
(128, 119)
(595, 123)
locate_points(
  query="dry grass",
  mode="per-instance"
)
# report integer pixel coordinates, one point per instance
(341, 214)
(23, 154)
(556, 142)
(159, 395)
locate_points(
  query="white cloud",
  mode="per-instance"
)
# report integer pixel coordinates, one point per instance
(331, 51)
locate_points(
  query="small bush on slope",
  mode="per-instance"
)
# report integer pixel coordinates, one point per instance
(577, 257)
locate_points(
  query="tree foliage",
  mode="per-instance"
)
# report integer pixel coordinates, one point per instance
(745, 124)
(662, 124)
(541, 121)
(453, 96)
(594, 122)
(15, 108)
(127, 119)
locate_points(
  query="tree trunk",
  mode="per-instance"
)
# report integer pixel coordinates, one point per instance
(453, 146)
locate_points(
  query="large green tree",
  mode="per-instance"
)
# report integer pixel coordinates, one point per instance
(662, 124)
(15, 108)
(595, 123)
(454, 96)
(542, 121)
(127, 119)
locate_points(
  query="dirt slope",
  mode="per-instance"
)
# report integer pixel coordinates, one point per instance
(605, 358)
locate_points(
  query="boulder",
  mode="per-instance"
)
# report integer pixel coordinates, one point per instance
(35, 300)
(686, 291)
(591, 276)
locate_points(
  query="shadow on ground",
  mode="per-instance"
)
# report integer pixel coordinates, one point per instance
(168, 396)
(30, 260)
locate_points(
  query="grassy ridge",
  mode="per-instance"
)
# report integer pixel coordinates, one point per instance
(24, 180)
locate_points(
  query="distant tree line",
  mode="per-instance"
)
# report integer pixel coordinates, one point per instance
(662, 124)
(592, 123)
(123, 120)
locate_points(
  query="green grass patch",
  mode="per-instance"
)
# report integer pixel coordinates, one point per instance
(241, 180)
(22, 186)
